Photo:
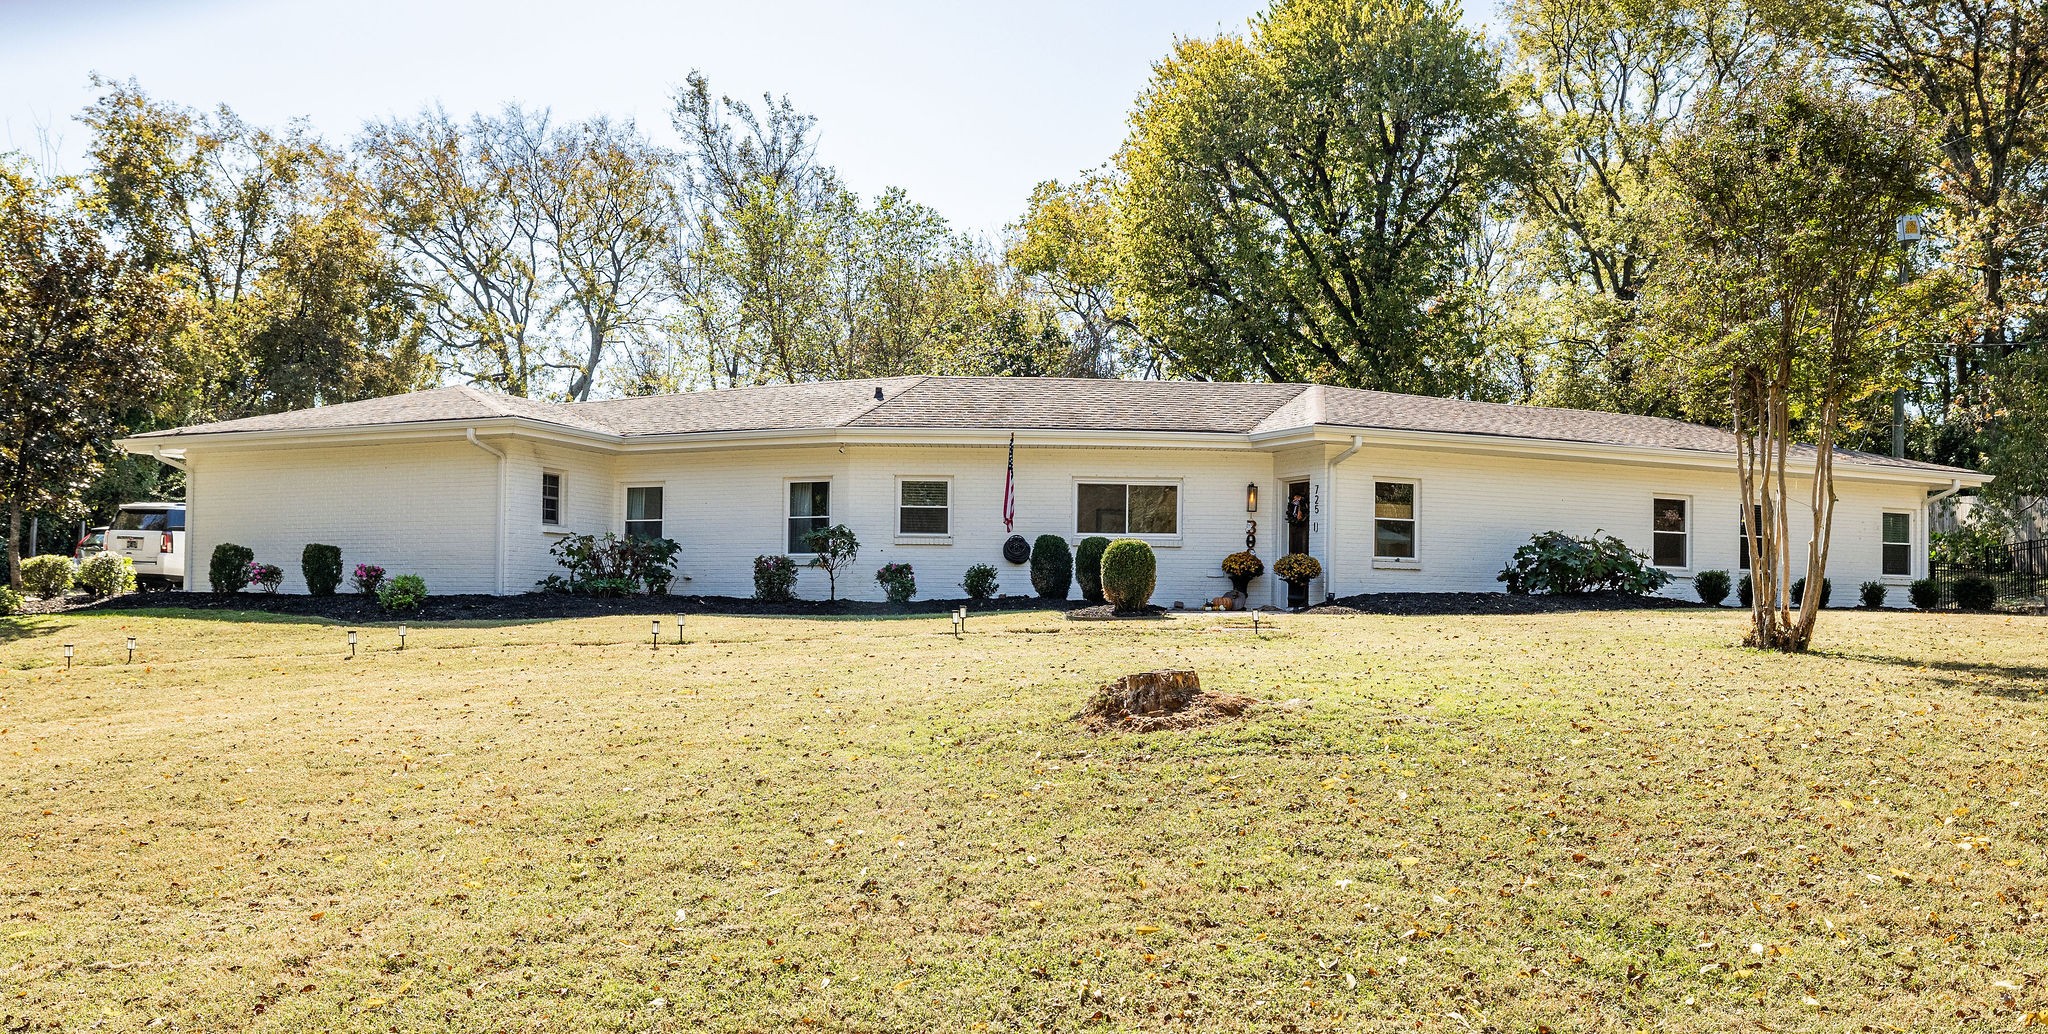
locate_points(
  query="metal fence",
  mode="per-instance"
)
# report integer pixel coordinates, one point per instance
(2018, 574)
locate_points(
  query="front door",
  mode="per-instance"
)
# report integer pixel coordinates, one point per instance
(1297, 516)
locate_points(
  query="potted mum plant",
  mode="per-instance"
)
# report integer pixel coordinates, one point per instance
(1297, 570)
(1242, 567)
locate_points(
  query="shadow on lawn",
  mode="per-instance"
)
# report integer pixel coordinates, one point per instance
(2012, 681)
(29, 626)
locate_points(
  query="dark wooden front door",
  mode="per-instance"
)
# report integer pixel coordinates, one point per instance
(1297, 513)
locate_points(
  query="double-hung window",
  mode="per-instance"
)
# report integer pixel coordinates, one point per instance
(924, 507)
(810, 510)
(1898, 544)
(551, 499)
(643, 512)
(1393, 520)
(1120, 508)
(1670, 533)
(1742, 534)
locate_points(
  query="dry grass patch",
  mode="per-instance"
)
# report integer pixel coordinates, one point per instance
(1580, 822)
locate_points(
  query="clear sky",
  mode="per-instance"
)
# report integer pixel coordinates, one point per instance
(964, 104)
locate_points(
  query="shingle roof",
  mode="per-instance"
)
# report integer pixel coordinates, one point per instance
(1018, 403)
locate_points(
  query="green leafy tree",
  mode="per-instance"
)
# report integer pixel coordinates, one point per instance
(1607, 86)
(81, 349)
(833, 550)
(1779, 207)
(1295, 202)
(1064, 248)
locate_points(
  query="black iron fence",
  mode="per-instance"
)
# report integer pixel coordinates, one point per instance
(2018, 574)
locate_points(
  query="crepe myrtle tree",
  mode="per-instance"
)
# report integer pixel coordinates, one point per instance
(1779, 206)
(833, 550)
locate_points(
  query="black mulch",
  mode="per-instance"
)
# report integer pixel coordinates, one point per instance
(1453, 603)
(538, 605)
(1105, 612)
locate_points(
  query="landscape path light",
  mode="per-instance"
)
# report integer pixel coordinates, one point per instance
(351, 642)
(68, 651)
(657, 631)
(679, 629)
(959, 621)
(131, 649)
(401, 637)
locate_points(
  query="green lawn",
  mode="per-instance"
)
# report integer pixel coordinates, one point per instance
(1599, 822)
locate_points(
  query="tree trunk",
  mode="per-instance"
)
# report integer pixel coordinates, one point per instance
(14, 548)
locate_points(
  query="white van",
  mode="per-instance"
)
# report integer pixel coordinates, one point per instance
(152, 535)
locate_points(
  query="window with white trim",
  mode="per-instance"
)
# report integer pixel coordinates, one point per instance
(1393, 520)
(1742, 534)
(924, 506)
(810, 510)
(643, 512)
(550, 498)
(1670, 533)
(1127, 508)
(1898, 543)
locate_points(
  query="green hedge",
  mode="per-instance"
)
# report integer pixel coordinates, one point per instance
(1088, 567)
(1052, 567)
(322, 567)
(229, 570)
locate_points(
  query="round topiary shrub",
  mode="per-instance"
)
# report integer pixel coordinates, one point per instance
(229, 569)
(1924, 593)
(106, 574)
(403, 594)
(1129, 572)
(47, 575)
(1975, 592)
(1088, 567)
(1712, 586)
(1873, 594)
(1052, 567)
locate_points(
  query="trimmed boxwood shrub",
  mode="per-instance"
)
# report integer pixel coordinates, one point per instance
(1827, 591)
(1712, 587)
(106, 574)
(980, 582)
(1129, 572)
(1872, 594)
(1975, 592)
(47, 575)
(1088, 567)
(1052, 567)
(321, 566)
(1745, 590)
(1924, 593)
(403, 594)
(229, 570)
(774, 579)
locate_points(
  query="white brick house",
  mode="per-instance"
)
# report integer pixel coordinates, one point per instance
(1398, 493)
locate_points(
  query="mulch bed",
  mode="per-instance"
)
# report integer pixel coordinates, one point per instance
(523, 607)
(1105, 612)
(1429, 604)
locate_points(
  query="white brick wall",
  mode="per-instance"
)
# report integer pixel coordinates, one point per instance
(419, 508)
(431, 509)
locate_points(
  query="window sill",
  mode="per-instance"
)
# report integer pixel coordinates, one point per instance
(1155, 541)
(555, 530)
(1396, 564)
(924, 540)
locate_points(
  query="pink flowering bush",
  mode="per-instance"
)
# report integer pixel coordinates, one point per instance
(270, 576)
(368, 578)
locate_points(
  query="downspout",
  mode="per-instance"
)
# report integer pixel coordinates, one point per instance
(1927, 517)
(499, 538)
(1330, 536)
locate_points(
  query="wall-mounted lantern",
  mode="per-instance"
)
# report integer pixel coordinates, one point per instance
(1251, 497)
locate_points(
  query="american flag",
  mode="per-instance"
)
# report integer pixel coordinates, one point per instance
(1010, 488)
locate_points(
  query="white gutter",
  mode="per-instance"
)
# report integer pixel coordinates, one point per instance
(499, 538)
(1330, 534)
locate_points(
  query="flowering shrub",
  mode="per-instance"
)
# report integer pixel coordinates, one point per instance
(898, 583)
(270, 576)
(774, 579)
(1243, 566)
(1297, 568)
(368, 579)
